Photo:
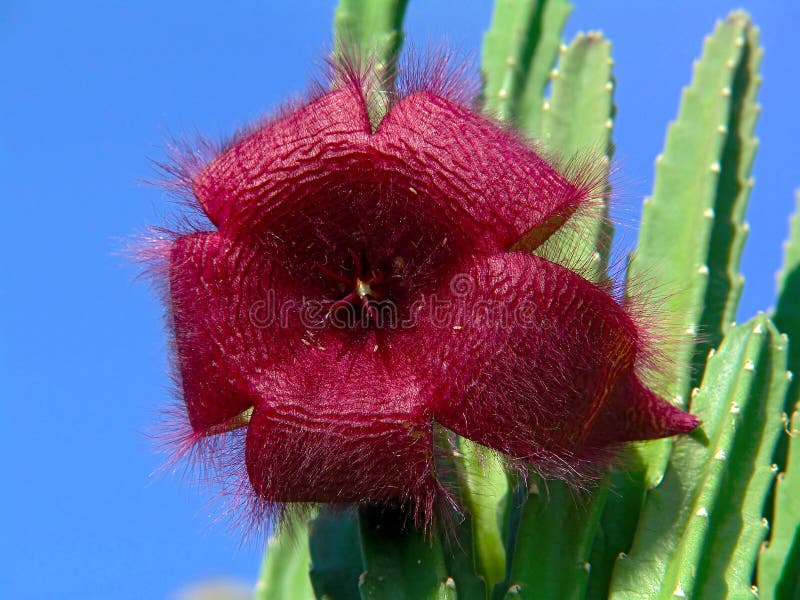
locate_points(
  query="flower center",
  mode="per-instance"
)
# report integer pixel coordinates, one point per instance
(364, 297)
(363, 288)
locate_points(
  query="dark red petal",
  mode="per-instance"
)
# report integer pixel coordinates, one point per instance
(254, 182)
(483, 177)
(539, 364)
(339, 431)
(431, 162)
(633, 412)
(222, 296)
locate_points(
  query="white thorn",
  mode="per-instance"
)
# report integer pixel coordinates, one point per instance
(748, 365)
(734, 410)
(545, 105)
(587, 567)
(726, 91)
(703, 269)
(412, 190)
(729, 63)
(714, 167)
(722, 129)
(712, 352)
(739, 42)
(609, 123)
(702, 512)
(758, 328)
(709, 212)
(789, 375)
(609, 86)
(375, 348)
(553, 73)
(695, 391)
(502, 93)
(679, 591)
(720, 455)
(691, 329)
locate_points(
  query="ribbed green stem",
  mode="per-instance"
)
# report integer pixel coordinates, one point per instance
(692, 228)
(484, 489)
(284, 571)
(373, 27)
(700, 530)
(401, 564)
(779, 564)
(372, 31)
(336, 562)
(519, 51)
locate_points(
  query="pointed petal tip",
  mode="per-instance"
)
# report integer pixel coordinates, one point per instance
(683, 422)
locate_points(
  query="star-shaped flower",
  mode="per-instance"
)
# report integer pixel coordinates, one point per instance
(364, 281)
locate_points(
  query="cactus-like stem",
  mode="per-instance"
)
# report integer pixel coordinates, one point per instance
(335, 548)
(779, 562)
(401, 563)
(519, 50)
(556, 530)
(692, 227)
(484, 492)
(284, 571)
(577, 122)
(373, 30)
(374, 27)
(787, 311)
(700, 530)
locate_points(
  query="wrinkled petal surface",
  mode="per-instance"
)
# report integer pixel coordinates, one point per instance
(355, 433)
(475, 180)
(223, 297)
(539, 363)
(321, 218)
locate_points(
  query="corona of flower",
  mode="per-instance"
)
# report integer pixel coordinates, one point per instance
(364, 282)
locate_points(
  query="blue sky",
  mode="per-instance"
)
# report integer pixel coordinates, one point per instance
(91, 91)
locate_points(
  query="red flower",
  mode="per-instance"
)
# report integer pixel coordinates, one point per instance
(362, 284)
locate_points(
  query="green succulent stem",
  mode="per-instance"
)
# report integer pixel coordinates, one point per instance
(700, 530)
(779, 565)
(692, 230)
(519, 51)
(285, 568)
